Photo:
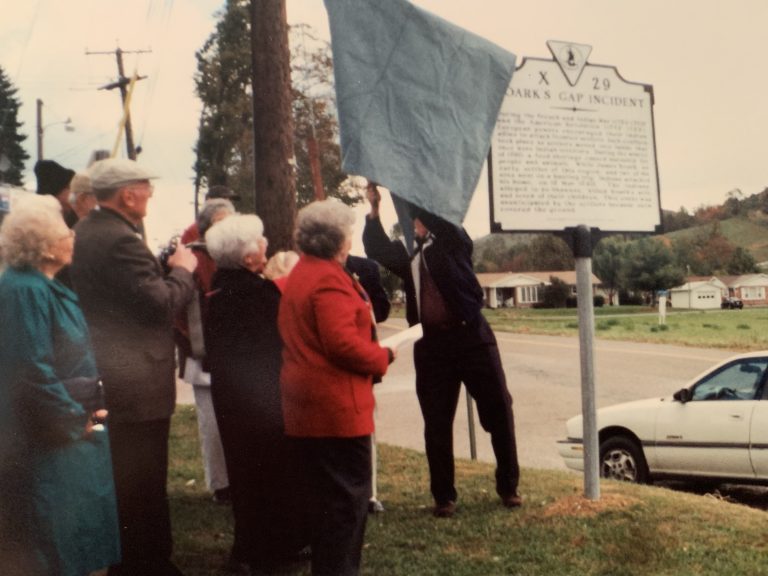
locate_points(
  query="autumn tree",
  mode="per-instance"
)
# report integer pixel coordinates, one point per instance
(316, 129)
(226, 139)
(12, 153)
(708, 252)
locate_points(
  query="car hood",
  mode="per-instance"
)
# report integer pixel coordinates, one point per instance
(638, 416)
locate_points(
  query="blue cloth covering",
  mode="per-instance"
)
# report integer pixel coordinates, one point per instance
(418, 99)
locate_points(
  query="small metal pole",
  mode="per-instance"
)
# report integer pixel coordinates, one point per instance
(583, 254)
(471, 426)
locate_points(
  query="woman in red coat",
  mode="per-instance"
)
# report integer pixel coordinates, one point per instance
(330, 357)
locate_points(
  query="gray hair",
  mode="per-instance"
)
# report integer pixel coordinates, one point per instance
(80, 185)
(322, 227)
(209, 211)
(229, 240)
(34, 225)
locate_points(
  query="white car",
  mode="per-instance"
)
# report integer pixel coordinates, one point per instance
(714, 428)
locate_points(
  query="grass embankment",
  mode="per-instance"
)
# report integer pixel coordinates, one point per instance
(732, 329)
(632, 530)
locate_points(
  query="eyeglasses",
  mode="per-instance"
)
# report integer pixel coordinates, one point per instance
(148, 186)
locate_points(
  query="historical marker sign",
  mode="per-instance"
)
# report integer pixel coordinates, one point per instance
(574, 145)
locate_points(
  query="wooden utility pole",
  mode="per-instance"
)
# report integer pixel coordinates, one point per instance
(122, 83)
(39, 118)
(274, 162)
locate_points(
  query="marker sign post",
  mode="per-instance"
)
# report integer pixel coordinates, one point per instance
(574, 153)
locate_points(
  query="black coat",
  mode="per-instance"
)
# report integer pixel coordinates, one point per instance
(266, 475)
(448, 257)
(369, 277)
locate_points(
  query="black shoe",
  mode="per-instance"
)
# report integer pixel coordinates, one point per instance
(222, 496)
(444, 510)
(512, 500)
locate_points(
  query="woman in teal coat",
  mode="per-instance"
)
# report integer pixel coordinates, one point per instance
(58, 514)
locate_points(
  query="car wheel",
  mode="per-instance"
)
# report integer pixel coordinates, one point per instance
(623, 459)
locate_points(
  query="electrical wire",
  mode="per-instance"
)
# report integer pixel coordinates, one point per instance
(154, 77)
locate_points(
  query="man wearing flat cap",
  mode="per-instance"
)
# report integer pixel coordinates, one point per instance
(130, 304)
(54, 179)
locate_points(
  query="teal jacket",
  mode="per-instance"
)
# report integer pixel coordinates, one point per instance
(57, 504)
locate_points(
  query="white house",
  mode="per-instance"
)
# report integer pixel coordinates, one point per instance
(699, 294)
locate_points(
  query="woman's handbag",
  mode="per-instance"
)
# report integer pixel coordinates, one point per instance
(88, 391)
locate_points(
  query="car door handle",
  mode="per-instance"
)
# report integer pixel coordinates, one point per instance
(737, 416)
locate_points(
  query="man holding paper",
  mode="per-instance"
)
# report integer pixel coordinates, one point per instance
(442, 292)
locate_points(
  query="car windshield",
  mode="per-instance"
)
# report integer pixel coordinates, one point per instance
(739, 380)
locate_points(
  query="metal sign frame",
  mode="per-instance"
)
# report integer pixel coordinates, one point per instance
(653, 214)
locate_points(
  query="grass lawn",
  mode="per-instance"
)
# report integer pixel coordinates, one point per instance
(632, 530)
(732, 329)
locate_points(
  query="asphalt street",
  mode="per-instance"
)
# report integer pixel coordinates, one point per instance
(543, 374)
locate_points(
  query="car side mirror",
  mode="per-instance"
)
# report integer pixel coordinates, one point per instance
(682, 396)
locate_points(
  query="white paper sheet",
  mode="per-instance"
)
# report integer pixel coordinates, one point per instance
(396, 340)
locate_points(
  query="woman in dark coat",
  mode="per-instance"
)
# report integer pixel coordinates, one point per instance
(58, 513)
(244, 356)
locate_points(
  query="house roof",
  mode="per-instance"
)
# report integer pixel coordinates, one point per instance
(512, 279)
(731, 281)
(696, 286)
(696, 282)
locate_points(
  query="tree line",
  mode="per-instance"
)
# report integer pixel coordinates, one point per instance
(626, 264)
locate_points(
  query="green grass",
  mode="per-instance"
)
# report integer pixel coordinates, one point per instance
(731, 329)
(632, 530)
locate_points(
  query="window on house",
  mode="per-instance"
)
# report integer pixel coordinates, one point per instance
(529, 294)
(753, 293)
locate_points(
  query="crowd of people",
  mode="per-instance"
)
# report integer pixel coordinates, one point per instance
(282, 354)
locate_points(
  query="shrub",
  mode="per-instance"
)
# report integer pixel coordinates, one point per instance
(598, 301)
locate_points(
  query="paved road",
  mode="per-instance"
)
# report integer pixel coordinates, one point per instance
(544, 378)
(543, 373)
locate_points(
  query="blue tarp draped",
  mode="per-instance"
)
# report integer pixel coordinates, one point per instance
(417, 98)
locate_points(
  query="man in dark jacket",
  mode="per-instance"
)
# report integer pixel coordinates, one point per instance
(368, 275)
(129, 305)
(442, 292)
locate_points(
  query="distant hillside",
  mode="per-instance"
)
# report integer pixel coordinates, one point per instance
(750, 232)
(743, 221)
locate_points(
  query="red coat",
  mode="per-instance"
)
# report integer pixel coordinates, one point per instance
(329, 358)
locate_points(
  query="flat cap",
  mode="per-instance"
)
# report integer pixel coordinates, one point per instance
(116, 172)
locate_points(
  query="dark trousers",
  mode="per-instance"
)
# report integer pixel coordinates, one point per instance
(140, 467)
(444, 359)
(268, 480)
(340, 471)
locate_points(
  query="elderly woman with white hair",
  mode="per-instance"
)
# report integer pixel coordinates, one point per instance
(330, 358)
(58, 513)
(244, 356)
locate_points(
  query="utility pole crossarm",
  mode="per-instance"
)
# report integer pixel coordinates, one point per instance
(122, 83)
